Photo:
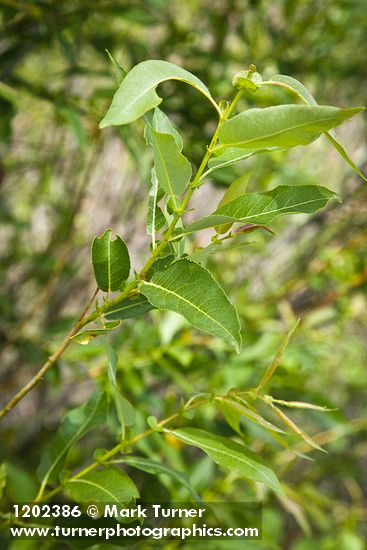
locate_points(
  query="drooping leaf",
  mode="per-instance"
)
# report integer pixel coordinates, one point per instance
(302, 92)
(111, 261)
(172, 168)
(75, 425)
(136, 94)
(296, 429)
(282, 125)
(230, 455)
(190, 290)
(85, 336)
(156, 468)
(109, 485)
(260, 208)
(129, 308)
(125, 411)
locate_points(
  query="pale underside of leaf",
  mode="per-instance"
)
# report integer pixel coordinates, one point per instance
(136, 94)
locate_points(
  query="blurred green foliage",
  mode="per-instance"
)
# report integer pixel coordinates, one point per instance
(62, 180)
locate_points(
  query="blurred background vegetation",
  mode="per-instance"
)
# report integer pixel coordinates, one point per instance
(63, 181)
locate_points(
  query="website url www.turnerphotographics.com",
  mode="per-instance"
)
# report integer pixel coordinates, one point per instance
(155, 521)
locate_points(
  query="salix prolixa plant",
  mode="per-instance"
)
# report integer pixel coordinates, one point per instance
(171, 279)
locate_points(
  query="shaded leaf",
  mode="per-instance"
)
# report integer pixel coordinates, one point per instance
(111, 261)
(85, 336)
(190, 290)
(235, 190)
(156, 468)
(75, 425)
(125, 411)
(129, 308)
(109, 485)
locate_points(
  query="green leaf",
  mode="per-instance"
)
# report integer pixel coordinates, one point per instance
(282, 125)
(230, 455)
(160, 122)
(235, 190)
(109, 485)
(231, 155)
(136, 94)
(190, 290)
(260, 208)
(157, 468)
(155, 216)
(244, 410)
(111, 261)
(75, 425)
(125, 411)
(299, 89)
(172, 168)
(129, 308)
(85, 336)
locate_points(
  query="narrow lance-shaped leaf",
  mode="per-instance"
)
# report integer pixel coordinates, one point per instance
(252, 415)
(299, 89)
(190, 290)
(125, 411)
(282, 125)
(109, 485)
(136, 94)
(260, 208)
(111, 261)
(172, 168)
(75, 425)
(230, 455)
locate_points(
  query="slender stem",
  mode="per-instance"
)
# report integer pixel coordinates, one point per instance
(118, 448)
(49, 363)
(131, 287)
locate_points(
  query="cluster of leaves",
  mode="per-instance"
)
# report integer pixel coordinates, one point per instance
(179, 351)
(173, 280)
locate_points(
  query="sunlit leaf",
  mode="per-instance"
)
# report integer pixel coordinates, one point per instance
(230, 455)
(190, 290)
(136, 94)
(260, 208)
(281, 125)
